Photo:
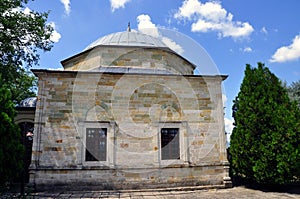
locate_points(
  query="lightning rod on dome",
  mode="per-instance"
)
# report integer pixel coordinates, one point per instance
(128, 27)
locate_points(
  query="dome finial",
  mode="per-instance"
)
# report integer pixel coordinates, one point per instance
(128, 27)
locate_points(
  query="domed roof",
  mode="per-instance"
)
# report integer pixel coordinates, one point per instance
(28, 102)
(128, 38)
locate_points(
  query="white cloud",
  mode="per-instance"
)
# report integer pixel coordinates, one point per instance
(26, 11)
(264, 30)
(13, 10)
(116, 4)
(146, 26)
(288, 53)
(228, 127)
(211, 16)
(247, 50)
(188, 9)
(55, 36)
(173, 45)
(228, 122)
(67, 5)
(224, 100)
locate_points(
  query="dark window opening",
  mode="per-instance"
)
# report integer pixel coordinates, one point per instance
(96, 144)
(170, 143)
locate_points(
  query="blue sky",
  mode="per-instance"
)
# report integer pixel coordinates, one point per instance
(232, 32)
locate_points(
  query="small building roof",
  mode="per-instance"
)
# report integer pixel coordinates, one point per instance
(28, 102)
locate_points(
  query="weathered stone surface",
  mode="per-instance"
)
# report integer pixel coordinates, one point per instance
(138, 106)
(130, 57)
(143, 90)
(180, 192)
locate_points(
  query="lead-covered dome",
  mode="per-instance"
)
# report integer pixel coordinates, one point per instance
(28, 102)
(129, 52)
(128, 38)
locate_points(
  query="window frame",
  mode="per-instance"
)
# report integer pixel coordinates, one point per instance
(110, 142)
(183, 145)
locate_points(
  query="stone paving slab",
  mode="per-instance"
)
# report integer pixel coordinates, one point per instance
(236, 192)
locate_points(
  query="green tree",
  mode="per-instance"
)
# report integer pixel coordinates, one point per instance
(22, 35)
(11, 149)
(265, 142)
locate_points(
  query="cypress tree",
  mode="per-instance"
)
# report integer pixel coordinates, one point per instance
(265, 142)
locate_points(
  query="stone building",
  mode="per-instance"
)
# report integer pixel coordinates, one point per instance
(128, 112)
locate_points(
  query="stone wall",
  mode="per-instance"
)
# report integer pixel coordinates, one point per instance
(132, 57)
(113, 179)
(133, 107)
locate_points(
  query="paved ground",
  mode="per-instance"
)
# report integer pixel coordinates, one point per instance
(237, 192)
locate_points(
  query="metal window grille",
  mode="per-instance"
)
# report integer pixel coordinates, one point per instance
(170, 143)
(96, 144)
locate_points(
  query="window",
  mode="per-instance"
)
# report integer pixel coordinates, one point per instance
(170, 143)
(96, 144)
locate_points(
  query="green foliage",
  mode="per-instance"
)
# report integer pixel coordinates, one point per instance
(265, 142)
(11, 149)
(21, 35)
